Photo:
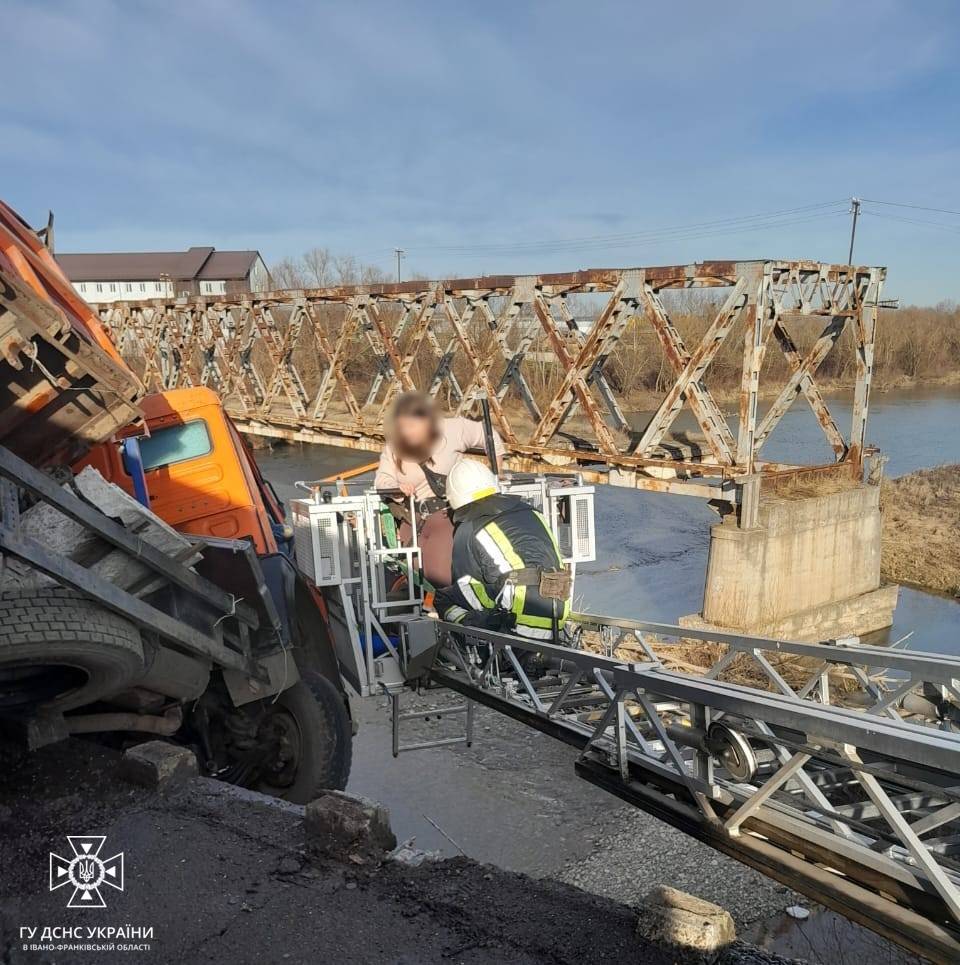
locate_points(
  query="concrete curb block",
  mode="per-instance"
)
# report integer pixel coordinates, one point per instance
(692, 928)
(159, 765)
(339, 823)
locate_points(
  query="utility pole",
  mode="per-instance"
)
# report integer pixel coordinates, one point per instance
(855, 211)
(400, 253)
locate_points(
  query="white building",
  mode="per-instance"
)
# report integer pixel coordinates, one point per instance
(132, 276)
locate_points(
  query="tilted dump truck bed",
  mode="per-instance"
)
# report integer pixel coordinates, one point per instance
(63, 385)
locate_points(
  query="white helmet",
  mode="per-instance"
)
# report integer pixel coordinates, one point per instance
(469, 481)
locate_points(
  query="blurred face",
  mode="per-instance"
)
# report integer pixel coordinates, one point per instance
(414, 431)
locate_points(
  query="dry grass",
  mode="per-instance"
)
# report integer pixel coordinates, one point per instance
(697, 656)
(803, 486)
(921, 529)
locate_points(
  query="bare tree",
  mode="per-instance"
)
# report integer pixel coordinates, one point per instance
(317, 265)
(286, 273)
(320, 268)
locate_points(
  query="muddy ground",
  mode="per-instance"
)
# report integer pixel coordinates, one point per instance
(225, 875)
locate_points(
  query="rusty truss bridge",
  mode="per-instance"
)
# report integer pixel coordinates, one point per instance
(550, 354)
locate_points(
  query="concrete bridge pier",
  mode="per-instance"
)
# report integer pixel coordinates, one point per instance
(808, 568)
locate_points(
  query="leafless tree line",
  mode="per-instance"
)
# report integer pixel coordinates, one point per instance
(321, 268)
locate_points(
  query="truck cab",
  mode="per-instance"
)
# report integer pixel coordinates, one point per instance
(200, 475)
(190, 466)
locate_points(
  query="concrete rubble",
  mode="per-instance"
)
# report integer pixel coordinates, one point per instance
(158, 764)
(73, 540)
(693, 927)
(342, 823)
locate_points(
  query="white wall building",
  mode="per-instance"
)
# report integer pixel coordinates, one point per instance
(135, 276)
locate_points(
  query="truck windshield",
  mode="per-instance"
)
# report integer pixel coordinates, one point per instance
(163, 447)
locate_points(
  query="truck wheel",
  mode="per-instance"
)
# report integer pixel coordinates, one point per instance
(59, 650)
(310, 731)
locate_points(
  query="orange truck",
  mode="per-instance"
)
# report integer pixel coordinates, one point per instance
(167, 603)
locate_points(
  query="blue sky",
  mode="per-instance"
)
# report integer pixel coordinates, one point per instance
(491, 136)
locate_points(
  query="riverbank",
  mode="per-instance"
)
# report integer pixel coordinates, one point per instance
(727, 394)
(921, 529)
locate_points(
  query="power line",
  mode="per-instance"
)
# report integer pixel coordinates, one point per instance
(952, 229)
(904, 204)
(675, 232)
(659, 240)
(643, 240)
(628, 237)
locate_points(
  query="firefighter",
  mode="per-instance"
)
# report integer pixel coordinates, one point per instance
(507, 571)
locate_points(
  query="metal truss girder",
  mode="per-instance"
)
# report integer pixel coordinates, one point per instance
(804, 370)
(690, 369)
(331, 360)
(606, 331)
(891, 873)
(887, 678)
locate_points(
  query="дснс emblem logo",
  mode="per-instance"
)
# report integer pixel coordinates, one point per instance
(86, 871)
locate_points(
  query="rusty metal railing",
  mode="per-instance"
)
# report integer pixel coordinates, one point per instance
(324, 364)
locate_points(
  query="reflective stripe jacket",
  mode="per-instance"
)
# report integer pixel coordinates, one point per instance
(494, 536)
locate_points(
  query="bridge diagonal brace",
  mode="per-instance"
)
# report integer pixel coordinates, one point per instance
(443, 372)
(246, 355)
(421, 327)
(802, 380)
(595, 376)
(333, 375)
(231, 374)
(908, 836)
(606, 331)
(384, 368)
(499, 327)
(689, 369)
(286, 378)
(383, 344)
(503, 326)
(481, 377)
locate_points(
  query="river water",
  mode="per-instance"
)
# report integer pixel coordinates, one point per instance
(653, 547)
(512, 799)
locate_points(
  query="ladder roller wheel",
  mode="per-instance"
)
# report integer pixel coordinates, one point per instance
(733, 751)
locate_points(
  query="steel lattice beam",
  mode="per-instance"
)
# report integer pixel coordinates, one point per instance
(324, 364)
(858, 809)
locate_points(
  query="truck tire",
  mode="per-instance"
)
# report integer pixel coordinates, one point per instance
(312, 721)
(59, 651)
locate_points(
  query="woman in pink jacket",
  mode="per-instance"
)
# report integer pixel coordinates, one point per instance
(420, 451)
